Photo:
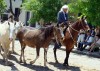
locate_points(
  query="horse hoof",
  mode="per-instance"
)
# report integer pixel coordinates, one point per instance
(57, 62)
(65, 64)
(45, 65)
(20, 61)
(12, 52)
(32, 62)
(25, 63)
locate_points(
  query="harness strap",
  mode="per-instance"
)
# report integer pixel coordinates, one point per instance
(73, 29)
(71, 35)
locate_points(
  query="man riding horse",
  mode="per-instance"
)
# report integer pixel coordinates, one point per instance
(62, 19)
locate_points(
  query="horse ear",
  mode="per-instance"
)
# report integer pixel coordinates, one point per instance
(8, 23)
(85, 17)
(82, 17)
(15, 23)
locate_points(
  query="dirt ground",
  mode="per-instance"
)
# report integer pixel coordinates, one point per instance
(76, 62)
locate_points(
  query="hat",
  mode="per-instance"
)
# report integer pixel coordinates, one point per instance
(65, 7)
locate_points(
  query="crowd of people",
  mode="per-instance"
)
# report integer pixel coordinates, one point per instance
(90, 38)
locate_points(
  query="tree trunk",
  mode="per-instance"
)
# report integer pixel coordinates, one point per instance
(10, 1)
(16, 18)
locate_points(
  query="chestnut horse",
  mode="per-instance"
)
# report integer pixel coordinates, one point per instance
(70, 37)
(37, 38)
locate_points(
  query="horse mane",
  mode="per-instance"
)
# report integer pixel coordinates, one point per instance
(74, 23)
(47, 31)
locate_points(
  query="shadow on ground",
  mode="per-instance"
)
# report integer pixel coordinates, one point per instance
(12, 57)
(13, 68)
(37, 68)
(61, 67)
(85, 52)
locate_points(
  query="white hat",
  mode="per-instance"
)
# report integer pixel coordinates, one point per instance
(65, 7)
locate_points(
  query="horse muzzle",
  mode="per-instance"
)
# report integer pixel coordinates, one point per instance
(11, 39)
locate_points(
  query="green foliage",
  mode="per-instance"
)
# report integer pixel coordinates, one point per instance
(2, 6)
(33, 6)
(87, 7)
(43, 9)
(49, 9)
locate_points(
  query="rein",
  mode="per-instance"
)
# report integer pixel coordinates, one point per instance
(74, 30)
(71, 35)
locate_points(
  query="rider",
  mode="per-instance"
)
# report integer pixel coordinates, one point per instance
(62, 18)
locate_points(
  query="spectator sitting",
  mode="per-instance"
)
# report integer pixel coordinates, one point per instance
(92, 31)
(89, 40)
(97, 40)
(81, 38)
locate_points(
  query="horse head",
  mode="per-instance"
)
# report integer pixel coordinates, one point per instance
(57, 34)
(82, 24)
(18, 26)
(11, 30)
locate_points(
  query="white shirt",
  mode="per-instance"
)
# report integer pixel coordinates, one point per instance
(91, 39)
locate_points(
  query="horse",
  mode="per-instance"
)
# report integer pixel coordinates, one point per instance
(7, 31)
(70, 37)
(18, 26)
(37, 38)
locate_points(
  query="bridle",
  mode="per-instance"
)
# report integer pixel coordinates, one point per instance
(74, 30)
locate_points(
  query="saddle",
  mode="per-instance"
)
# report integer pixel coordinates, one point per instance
(64, 26)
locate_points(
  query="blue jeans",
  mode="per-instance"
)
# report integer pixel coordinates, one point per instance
(85, 44)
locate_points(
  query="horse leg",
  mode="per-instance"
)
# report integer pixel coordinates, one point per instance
(6, 51)
(37, 56)
(46, 53)
(1, 50)
(13, 45)
(21, 54)
(66, 59)
(45, 56)
(55, 56)
(24, 61)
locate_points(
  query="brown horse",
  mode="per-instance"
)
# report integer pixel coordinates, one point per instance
(70, 37)
(37, 38)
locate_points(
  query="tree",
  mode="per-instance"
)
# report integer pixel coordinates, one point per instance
(50, 9)
(11, 10)
(43, 9)
(2, 6)
(33, 6)
(87, 7)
